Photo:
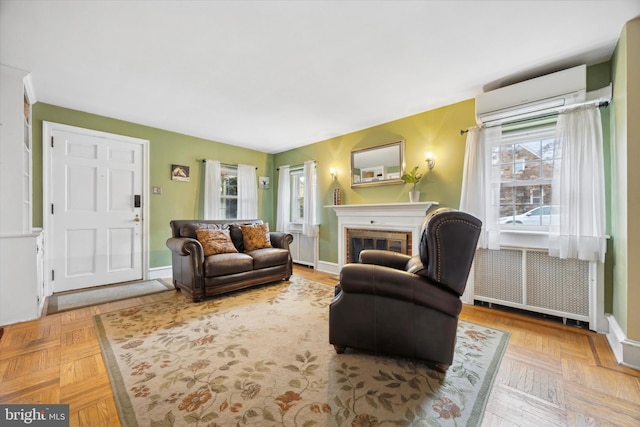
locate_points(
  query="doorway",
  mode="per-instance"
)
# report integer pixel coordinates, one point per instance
(95, 207)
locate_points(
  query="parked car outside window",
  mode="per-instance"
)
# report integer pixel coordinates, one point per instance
(541, 215)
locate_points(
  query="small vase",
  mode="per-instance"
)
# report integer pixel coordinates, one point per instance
(414, 196)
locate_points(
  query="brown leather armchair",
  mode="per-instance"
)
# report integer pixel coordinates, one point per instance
(406, 306)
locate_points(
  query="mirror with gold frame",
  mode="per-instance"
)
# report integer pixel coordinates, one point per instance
(379, 165)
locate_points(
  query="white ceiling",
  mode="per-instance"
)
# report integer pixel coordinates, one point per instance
(275, 75)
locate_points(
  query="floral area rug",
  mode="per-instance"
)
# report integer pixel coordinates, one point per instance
(262, 357)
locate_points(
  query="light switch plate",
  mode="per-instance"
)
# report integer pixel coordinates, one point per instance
(156, 190)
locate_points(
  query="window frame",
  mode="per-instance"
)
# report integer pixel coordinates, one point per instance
(519, 135)
(296, 177)
(228, 172)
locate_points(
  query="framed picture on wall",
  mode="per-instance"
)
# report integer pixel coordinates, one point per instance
(180, 173)
(263, 182)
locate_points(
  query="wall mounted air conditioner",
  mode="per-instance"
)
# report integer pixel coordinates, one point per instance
(532, 97)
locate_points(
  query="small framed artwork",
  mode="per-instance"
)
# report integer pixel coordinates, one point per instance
(263, 182)
(180, 173)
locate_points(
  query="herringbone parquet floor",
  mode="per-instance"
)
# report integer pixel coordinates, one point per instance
(551, 375)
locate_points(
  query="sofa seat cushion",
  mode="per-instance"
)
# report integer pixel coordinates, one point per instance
(268, 257)
(223, 264)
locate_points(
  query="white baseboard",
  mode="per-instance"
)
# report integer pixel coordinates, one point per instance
(160, 272)
(626, 351)
(328, 267)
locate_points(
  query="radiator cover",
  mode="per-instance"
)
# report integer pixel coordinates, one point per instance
(532, 280)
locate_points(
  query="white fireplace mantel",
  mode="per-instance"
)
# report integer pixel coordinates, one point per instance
(381, 216)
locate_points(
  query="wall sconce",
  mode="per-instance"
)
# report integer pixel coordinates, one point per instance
(430, 159)
(334, 173)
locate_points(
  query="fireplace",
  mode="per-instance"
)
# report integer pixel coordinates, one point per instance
(359, 239)
(396, 223)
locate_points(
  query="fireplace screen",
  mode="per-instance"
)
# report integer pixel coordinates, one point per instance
(360, 239)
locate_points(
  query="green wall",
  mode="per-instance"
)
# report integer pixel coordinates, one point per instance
(179, 200)
(437, 131)
(599, 76)
(625, 196)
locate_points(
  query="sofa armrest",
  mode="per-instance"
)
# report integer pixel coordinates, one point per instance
(390, 259)
(280, 239)
(184, 246)
(397, 284)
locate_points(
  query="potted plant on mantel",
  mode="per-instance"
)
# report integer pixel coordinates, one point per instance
(412, 177)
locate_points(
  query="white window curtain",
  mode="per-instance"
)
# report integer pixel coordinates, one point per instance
(578, 188)
(309, 225)
(212, 184)
(481, 184)
(283, 214)
(247, 192)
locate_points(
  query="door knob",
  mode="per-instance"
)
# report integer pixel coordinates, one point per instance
(137, 218)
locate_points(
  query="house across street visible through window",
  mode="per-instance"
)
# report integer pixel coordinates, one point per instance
(523, 164)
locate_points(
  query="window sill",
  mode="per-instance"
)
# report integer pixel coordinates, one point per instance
(524, 239)
(295, 226)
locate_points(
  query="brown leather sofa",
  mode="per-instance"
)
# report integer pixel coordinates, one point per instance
(202, 276)
(406, 306)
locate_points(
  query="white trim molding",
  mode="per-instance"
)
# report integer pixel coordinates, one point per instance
(626, 351)
(328, 267)
(160, 272)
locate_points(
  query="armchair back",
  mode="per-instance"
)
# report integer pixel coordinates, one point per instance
(447, 247)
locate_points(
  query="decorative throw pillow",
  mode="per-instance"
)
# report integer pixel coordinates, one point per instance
(215, 241)
(255, 236)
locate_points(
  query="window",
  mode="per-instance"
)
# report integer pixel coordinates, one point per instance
(229, 192)
(523, 163)
(545, 180)
(297, 195)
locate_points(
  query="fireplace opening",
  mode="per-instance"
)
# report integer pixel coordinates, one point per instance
(361, 239)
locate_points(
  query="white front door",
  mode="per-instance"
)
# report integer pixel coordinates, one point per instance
(96, 218)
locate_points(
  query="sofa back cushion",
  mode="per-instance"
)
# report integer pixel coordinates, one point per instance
(215, 241)
(236, 237)
(188, 227)
(255, 236)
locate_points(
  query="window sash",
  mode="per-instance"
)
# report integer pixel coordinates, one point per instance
(522, 163)
(229, 192)
(297, 196)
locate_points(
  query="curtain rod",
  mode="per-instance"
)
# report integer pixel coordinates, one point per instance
(297, 166)
(599, 104)
(223, 164)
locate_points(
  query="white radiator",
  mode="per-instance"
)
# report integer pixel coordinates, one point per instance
(304, 249)
(532, 280)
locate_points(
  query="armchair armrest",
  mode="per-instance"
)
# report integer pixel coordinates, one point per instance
(397, 284)
(184, 246)
(385, 258)
(280, 239)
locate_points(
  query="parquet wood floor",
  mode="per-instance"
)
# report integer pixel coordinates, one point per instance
(551, 374)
